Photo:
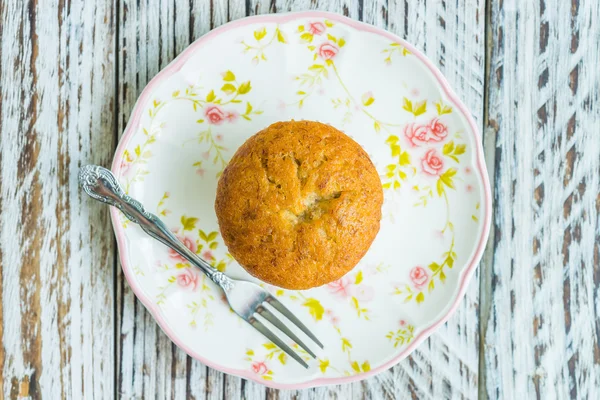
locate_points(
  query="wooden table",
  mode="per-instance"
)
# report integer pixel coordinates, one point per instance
(529, 70)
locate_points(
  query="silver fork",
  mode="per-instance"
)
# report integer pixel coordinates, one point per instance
(245, 298)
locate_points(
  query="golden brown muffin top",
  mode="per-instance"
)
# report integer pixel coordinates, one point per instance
(299, 204)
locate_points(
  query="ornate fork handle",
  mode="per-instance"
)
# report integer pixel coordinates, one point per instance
(101, 184)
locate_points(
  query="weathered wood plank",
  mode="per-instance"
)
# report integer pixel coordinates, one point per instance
(57, 84)
(146, 44)
(446, 366)
(150, 366)
(56, 251)
(452, 36)
(463, 64)
(542, 333)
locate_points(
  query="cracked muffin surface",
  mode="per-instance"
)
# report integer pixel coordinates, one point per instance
(299, 204)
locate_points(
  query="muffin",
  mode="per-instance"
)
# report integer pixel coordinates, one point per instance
(299, 204)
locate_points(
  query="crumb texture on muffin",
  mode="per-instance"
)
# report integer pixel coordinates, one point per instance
(299, 204)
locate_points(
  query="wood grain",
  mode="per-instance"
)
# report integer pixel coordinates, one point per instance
(528, 70)
(541, 329)
(149, 365)
(447, 364)
(56, 248)
(451, 34)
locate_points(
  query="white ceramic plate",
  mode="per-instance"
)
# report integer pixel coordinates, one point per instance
(370, 84)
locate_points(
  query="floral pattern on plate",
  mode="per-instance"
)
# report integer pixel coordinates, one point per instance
(377, 89)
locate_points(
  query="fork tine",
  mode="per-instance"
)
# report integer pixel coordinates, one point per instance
(269, 316)
(288, 314)
(259, 326)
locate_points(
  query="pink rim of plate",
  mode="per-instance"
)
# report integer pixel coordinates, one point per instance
(176, 65)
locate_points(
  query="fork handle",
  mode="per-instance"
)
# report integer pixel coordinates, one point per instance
(100, 184)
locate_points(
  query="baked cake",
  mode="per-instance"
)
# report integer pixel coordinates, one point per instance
(299, 204)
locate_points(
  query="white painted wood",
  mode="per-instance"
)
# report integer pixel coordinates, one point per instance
(451, 34)
(539, 283)
(56, 248)
(146, 44)
(447, 364)
(541, 327)
(140, 27)
(150, 365)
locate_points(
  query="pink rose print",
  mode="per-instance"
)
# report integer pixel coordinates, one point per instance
(189, 243)
(125, 167)
(219, 137)
(315, 28)
(340, 287)
(232, 116)
(200, 171)
(402, 322)
(328, 50)
(188, 279)
(469, 188)
(206, 155)
(468, 170)
(214, 114)
(335, 320)
(259, 368)
(417, 134)
(434, 131)
(432, 163)
(438, 130)
(345, 288)
(419, 277)
(208, 255)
